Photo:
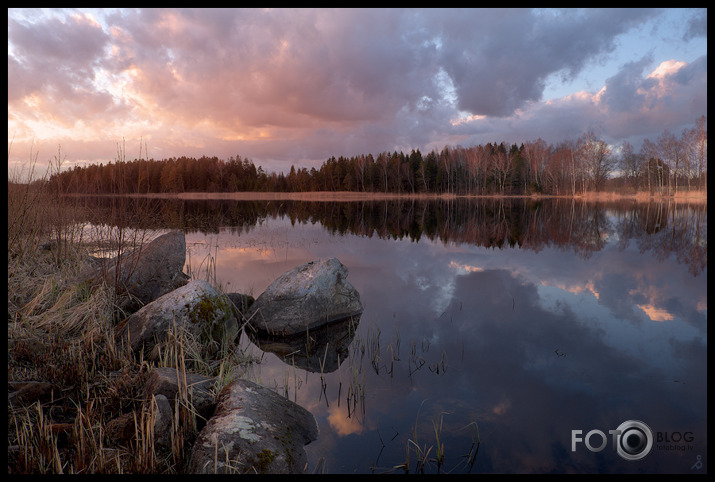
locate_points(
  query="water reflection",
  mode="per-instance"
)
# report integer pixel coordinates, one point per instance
(322, 350)
(661, 228)
(505, 324)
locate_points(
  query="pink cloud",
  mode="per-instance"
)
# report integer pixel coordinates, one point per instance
(302, 85)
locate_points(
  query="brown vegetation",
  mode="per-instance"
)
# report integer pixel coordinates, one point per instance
(691, 197)
(340, 196)
(75, 398)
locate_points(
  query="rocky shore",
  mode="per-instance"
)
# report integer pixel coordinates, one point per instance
(241, 427)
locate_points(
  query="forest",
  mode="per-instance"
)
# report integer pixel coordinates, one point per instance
(665, 165)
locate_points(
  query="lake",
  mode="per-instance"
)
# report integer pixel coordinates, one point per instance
(508, 336)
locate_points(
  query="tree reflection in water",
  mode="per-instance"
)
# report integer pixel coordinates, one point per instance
(663, 228)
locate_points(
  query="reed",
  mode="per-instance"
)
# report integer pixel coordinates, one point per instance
(36, 443)
(440, 365)
(373, 348)
(206, 268)
(323, 383)
(355, 399)
(415, 361)
(143, 445)
(440, 445)
(471, 456)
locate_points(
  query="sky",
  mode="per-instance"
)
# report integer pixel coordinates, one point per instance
(289, 87)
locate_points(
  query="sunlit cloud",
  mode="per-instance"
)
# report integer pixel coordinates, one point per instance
(286, 86)
(587, 287)
(465, 118)
(668, 67)
(653, 299)
(655, 313)
(465, 268)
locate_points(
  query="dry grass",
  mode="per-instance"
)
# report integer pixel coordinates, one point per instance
(295, 196)
(344, 196)
(60, 331)
(692, 197)
(61, 327)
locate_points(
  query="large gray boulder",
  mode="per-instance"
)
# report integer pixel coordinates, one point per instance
(254, 430)
(198, 308)
(304, 298)
(147, 272)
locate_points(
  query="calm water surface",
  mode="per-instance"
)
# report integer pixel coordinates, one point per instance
(491, 332)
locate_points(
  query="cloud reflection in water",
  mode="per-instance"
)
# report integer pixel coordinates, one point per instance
(530, 344)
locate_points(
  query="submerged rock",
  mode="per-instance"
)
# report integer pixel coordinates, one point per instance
(304, 298)
(323, 350)
(254, 430)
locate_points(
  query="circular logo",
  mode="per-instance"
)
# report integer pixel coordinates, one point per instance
(634, 440)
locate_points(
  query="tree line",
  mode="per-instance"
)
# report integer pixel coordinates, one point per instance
(664, 165)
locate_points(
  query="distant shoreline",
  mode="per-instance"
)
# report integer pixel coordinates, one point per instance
(344, 196)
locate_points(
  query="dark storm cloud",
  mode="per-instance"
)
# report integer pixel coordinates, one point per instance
(633, 104)
(499, 60)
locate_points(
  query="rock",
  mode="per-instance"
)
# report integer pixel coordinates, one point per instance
(253, 430)
(122, 430)
(305, 297)
(241, 301)
(63, 433)
(148, 272)
(166, 381)
(323, 350)
(196, 307)
(27, 393)
(163, 418)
